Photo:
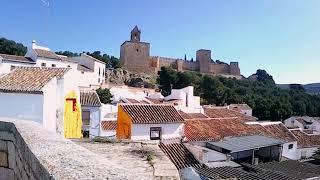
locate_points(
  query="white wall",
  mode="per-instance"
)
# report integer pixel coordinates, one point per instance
(190, 103)
(205, 155)
(306, 152)
(108, 133)
(169, 131)
(290, 153)
(22, 106)
(95, 112)
(50, 105)
(5, 67)
(93, 77)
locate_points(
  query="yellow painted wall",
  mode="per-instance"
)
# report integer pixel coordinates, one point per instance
(124, 124)
(72, 117)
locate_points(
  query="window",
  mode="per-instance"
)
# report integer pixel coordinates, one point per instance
(43, 65)
(103, 72)
(155, 133)
(137, 50)
(12, 67)
(99, 71)
(290, 146)
(53, 65)
(69, 66)
(98, 80)
(86, 118)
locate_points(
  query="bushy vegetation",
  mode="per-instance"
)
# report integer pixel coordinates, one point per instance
(268, 101)
(11, 47)
(104, 95)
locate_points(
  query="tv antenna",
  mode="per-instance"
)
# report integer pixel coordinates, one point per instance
(46, 4)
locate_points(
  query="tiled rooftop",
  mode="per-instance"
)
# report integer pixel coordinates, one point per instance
(29, 79)
(108, 125)
(214, 112)
(89, 98)
(192, 115)
(217, 129)
(46, 54)
(279, 131)
(147, 114)
(15, 58)
(306, 140)
(179, 155)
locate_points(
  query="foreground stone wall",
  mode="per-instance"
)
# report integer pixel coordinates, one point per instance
(16, 159)
(28, 151)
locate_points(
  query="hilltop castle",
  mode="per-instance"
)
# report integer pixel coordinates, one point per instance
(135, 57)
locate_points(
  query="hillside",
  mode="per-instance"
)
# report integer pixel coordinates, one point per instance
(313, 88)
(268, 101)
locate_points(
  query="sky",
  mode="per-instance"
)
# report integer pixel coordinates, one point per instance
(282, 37)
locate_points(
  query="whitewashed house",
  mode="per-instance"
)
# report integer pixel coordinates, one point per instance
(89, 71)
(91, 113)
(37, 94)
(280, 131)
(304, 123)
(141, 122)
(242, 108)
(308, 143)
(187, 101)
(9, 62)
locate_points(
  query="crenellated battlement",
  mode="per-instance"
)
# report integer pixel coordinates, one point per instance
(135, 57)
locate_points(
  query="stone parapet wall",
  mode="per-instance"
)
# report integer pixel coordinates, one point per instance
(16, 159)
(28, 151)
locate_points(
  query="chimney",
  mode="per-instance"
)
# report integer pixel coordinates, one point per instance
(33, 44)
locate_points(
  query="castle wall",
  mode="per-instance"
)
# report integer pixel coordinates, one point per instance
(220, 68)
(191, 66)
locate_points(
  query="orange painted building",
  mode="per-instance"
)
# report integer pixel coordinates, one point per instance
(149, 122)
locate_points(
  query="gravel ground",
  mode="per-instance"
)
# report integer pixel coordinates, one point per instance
(134, 156)
(66, 160)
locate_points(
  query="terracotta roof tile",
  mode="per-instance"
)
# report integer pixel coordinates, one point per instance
(108, 125)
(89, 98)
(133, 101)
(214, 112)
(306, 140)
(279, 131)
(155, 101)
(192, 115)
(14, 58)
(29, 79)
(180, 156)
(217, 129)
(150, 113)
(47, 54)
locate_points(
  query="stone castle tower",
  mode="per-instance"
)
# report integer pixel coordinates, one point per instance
(134, 54)
(135, 57)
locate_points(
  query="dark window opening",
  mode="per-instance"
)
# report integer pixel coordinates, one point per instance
(53, 65)
(43, 65)
(290, 146)
(155, 133)
(137, 50)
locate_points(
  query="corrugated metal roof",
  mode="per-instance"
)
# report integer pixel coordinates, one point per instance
(237, 144)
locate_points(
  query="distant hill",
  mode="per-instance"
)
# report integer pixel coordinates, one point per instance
(313, 88)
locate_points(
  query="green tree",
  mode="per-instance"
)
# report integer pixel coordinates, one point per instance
(11, 47)
(104, 95)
